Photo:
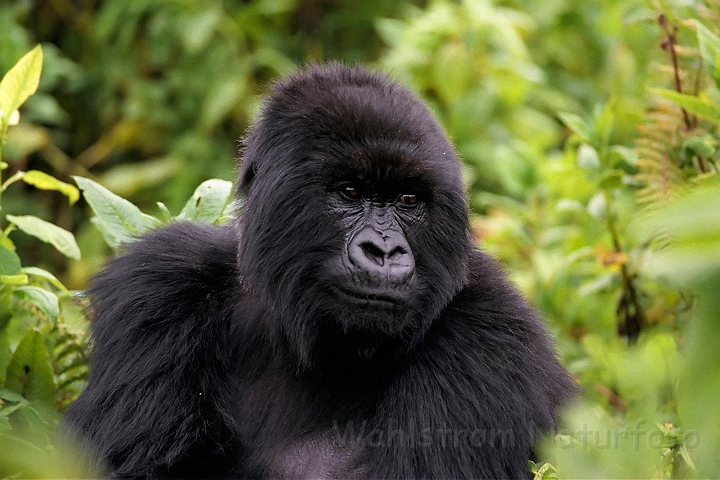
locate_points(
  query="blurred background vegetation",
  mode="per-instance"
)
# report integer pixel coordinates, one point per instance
(589, 133)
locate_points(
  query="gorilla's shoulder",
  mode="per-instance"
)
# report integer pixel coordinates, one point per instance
(172, 273)
(489, 292)
(495, 338)
(492, 319)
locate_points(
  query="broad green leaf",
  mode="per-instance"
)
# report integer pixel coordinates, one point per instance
(20, 82)
(208, 201)
(45, 300)
(58, 237)
(44, 181)
(9, 261)
(30, 372)
(119, 220)
(696, 105)
(110, 238)
(710, 51)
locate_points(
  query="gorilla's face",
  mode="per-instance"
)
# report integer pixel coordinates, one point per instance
(355, 224)
(372, 278)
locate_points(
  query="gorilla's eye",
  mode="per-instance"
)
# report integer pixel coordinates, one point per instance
(351, 192)
(408, 199)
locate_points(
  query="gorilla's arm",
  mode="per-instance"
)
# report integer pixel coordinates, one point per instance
(160, 353)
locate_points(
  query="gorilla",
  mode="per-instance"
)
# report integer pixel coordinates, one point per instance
(343, 325)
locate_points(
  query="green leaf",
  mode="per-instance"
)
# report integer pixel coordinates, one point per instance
(18, 279)
(20, 82)
(11, 396)
(165, 215)
(208, 201)
(710, 51)
(30, 373)
(576, 124)
(699, 146)
(694, 253)
(44, 181)
(9, 261)
(110, 238)
(45, 300)
(45, 275)
(588, 158)
(692, 104)
(119, 220)
(611, 179)
(597, 206)
(58, 237)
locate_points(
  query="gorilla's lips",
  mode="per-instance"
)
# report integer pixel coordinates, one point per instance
(369, 299)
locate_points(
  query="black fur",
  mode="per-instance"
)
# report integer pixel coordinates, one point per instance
(227, 352)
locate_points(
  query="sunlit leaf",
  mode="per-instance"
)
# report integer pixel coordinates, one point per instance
(44, 181)
(208, 201)
(20, 81)
(119, 218)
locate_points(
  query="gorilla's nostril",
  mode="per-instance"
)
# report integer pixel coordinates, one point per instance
(373, 252)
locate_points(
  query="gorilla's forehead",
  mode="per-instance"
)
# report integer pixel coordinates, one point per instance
(384, 164)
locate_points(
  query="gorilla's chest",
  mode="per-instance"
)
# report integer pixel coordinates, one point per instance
(285, 432)
(315, 456)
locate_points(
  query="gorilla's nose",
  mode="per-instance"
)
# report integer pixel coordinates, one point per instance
(384, 255)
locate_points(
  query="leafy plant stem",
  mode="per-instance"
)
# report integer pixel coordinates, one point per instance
(669, 45)
(629, 311)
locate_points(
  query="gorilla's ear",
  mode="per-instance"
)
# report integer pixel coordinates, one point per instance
(247, 175)
(248, 168)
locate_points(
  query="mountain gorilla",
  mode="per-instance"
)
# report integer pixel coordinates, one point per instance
(343, 326)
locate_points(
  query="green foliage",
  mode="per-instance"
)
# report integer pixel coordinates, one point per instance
(17, 85)
(120, 221)
(589, 134)
(43, 361)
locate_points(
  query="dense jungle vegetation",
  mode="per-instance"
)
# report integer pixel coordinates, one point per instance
(589, 135)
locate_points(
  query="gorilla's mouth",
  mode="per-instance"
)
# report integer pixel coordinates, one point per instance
(369, 299)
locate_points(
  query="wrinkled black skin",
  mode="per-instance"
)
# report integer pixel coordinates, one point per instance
(265, 349)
